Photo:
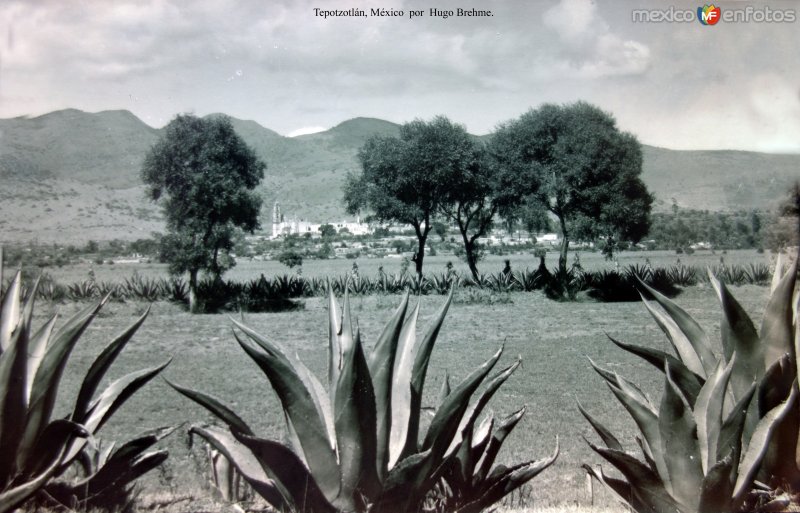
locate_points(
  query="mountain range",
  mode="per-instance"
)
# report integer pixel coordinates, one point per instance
(70, 176)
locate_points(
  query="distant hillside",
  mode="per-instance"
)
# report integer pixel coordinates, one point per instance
(70, 176)
(718, 180)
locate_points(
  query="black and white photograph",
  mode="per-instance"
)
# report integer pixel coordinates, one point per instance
(399, 256)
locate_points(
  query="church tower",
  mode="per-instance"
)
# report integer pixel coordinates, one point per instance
(276, 220)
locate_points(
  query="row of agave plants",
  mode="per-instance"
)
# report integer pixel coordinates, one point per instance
(724, 437)
(263, 294)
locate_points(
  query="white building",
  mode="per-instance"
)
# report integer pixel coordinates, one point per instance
(281, 227)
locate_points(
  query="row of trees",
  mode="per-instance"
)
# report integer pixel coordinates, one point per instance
(569, 163)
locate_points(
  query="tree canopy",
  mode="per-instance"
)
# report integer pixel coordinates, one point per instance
(572, 162)
(204, 175)
(405, 179)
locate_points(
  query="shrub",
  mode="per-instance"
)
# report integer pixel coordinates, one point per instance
(723, 422)
(35, 448)
(355, 443)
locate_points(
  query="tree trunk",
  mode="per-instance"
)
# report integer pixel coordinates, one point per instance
(562, 257)
(422, 237)
(193, 291)
(472, 261)
(469, 250)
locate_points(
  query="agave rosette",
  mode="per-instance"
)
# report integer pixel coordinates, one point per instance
(726, 425)
(355, 443)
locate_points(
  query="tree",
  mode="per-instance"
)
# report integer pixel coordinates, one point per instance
(404, 178)
(470, 198)
(290, 258)
(204, 175)
(328, 231)
(573, 163)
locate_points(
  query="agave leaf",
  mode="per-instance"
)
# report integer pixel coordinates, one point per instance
(10, 310)
(310, 382)
(687, 381)
(420, 371)
(246, 463)
(127, 463)
(381, 368)
(116, 394)
(299, 407)
(739, 336)
(759, 443)
(355, 421)
(445, 390)
(680, 341)
(778, 274)
(618, 487)
(731, 432)
(110, 400)
(482, 437)
(476, 407)
(647, 421)
(404, 481)
(444, 425)
(681, 451)
(490, 454)
(402, 406)
(643, 481)
(281, 463)
(691, 331)
(49, 448)
(37, 347)
(15, 496)
(647, 453)
(334, 350)
(45, 384)
(13, 365)
(215, 406)
(100, 366)
(776, 325)
(105, 486)
(708, 412)
(716, 493)
(509, 481)
(775, 386)
(614, 379)
(608, 438)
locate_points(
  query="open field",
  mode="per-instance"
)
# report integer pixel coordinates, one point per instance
(246, 270)
(554, 340)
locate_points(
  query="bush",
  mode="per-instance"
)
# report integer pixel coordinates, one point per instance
(357, 447)
(724, 422)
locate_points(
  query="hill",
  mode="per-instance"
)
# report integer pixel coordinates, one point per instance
(71, 176)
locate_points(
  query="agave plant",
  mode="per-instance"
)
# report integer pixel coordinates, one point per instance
(34, 447)
(727, 426)
(355, 445)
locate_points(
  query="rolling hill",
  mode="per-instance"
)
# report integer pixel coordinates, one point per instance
(71, 176)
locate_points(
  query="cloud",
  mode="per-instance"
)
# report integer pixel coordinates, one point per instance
(590, 49)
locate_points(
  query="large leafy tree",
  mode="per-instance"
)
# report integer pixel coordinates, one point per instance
(571, 162)
(405, 179)
(471, 197)
(204, 175)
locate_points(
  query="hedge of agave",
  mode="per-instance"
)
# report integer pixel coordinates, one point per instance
(35, 448)
(727, 424)
(276, 294)
(355, 444)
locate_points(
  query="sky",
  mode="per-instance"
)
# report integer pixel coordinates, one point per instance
(676, 85)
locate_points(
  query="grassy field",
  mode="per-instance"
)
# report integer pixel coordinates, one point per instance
(554, 340)
(246, 270)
